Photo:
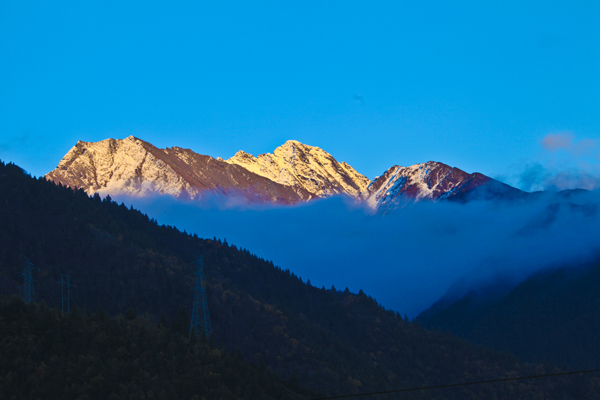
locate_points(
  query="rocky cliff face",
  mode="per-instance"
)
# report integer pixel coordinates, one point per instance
(305, 167)
(135, 167)
(293, 173)
(432, 181)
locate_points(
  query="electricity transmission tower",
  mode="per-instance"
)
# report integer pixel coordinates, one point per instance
(200, 319)
(28, 288)
(64, 281)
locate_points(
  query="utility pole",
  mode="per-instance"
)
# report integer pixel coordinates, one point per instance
(200, 318)
(28, 288)
(64, 281)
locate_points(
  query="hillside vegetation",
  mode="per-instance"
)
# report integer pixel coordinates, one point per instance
(47, 354)
(329, 341)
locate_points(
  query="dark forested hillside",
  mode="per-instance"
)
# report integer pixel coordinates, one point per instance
(332, 342)
(47, 354)
(552, 316)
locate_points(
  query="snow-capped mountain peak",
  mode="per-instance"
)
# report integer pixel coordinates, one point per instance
(308, 167)
(135, 167)
(431, 181)
(294, 172)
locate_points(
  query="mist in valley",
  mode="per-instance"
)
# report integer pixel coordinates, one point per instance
(407, 259)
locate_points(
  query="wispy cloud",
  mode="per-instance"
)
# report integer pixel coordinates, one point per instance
(555, 141)
(565, 141)
(565, 162)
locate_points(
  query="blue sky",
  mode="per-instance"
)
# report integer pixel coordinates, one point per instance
(477, 85)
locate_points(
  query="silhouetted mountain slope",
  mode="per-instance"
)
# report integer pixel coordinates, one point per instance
(552, 316)
(333, 342)
(47, 354)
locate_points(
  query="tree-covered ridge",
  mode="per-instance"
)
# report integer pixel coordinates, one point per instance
(47, 354)
(333, 342)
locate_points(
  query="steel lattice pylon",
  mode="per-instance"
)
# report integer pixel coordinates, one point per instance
(200, 318)
(29, 289)
(64, 281)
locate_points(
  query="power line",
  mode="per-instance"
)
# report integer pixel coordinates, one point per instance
(348, 396)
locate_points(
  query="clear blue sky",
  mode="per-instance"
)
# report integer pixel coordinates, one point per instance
(477, 85)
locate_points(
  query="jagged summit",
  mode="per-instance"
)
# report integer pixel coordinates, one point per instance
(432, 181)
(294, 172)
(135, 167)
(295, 142)
(305, 167)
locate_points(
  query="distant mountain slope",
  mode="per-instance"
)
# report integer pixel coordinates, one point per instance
(433, 181)
(132, 166)
(552, 317)
(332, 342)
(300, 166)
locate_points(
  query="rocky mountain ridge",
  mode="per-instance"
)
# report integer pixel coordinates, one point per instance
(293, 173)
(432, 181)
(135, 167)
(298, 165)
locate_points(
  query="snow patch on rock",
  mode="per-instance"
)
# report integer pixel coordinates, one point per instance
(301, 166)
